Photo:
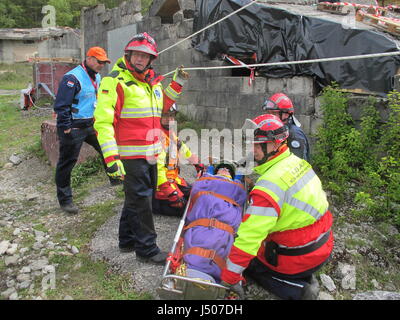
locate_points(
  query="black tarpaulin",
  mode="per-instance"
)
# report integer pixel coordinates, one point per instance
(276, 35)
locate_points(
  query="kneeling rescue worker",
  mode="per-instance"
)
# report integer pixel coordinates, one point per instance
(285, 235)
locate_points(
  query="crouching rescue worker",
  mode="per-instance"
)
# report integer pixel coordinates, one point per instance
(127, 119)
(285, 235)
(172, 190)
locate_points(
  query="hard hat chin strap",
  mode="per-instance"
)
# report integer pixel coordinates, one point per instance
(266, 154)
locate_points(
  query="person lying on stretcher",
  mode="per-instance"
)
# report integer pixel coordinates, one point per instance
(213, 217)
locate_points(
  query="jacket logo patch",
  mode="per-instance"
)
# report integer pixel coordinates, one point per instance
(70, 84)
(104, 91)
(157, 93)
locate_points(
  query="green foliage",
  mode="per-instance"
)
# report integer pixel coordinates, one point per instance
(82, 171)
(366, 157)
(28, 14)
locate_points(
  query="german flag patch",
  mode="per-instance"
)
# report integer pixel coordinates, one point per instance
(104, 91)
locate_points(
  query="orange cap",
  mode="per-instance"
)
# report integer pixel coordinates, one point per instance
(99, 53)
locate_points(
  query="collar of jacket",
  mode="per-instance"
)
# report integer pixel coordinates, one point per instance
(90, 71)
(149, 76)
(282, 154)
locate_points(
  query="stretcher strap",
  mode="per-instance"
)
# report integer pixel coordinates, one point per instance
(211, 223)
(211, 193)
(175, 257)
(208, 254)
(219, 179)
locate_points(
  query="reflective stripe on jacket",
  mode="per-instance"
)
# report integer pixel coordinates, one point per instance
(298, 217)
(127, 117)
(85, 101)
(167, 161)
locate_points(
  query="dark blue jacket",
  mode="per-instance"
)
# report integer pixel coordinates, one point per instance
(68, 88)
(298, 142)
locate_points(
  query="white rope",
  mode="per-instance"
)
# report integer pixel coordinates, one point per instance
(213, 24)
(268, 64)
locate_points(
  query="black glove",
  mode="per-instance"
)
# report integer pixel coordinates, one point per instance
(236, 289)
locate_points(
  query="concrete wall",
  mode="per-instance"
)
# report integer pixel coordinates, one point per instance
(12, 51)
(214, 98)
(96, 22)
(66, 46)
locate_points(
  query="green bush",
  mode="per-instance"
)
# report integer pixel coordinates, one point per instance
(85, 169)
(367, 158)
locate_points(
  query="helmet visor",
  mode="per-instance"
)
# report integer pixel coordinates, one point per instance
(270, 105)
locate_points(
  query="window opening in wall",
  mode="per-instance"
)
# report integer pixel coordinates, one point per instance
(167, 11)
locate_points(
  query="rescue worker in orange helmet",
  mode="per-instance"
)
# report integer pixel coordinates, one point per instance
(172, 190)
(280, 105)
(285, 235)
(130, 103)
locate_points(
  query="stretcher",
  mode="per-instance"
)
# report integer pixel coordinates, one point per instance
(176, 286)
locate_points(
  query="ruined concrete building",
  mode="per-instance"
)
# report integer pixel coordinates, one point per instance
(21, 45)
(219, 98)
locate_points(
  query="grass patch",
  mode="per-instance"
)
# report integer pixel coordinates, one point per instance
(15, 76)
(16, 133)
(92, 218)
(83, 279)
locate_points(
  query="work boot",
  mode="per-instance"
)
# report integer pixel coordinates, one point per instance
(159, 258)
(311, 291)
(116, 182)
(70, 208)
(126, 249)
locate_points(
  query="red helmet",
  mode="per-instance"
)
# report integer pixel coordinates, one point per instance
(270, 129)
(279, 102)
(144, 43)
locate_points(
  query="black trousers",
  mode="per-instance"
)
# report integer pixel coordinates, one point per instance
(136, 225)
(287, 287)
(70, 146)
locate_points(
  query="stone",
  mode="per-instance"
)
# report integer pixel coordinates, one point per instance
(12, 249)
(325, 296)
(25, 284)
(7, 293)
(74, 250)
(328, 282)
(15, 160)
(68, 298)
(23, 277)
(49, 269)
(348, 274)
(38, 264)
(14, 296)
(8, 165)
(10, 261)
(16, 231)
(25, 270)
(377, 295)
(4, 246)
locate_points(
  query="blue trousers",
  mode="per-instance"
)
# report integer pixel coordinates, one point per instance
(136, 225)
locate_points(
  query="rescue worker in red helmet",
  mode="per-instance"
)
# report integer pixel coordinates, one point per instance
(285, 235)
(131, 100)
(172, 190)
(280, 105)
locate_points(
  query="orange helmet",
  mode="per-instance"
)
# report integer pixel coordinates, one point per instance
(269, 128)
(144, 43)
(279, 102)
